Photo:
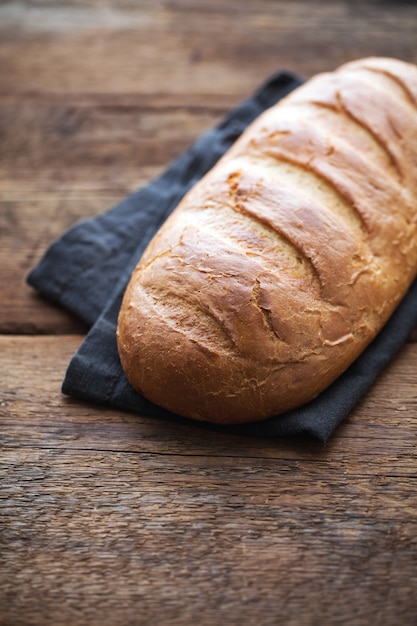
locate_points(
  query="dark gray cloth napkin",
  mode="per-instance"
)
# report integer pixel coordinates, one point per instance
(87, 269)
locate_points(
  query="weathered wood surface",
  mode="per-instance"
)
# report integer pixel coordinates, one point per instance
(108, 518)
(111, 518)
(95, 100)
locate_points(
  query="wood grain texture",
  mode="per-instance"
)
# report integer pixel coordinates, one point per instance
(130, 539)
(105, 514)
(114, 519)
(95, 100)
(191, 47)
(34, 413)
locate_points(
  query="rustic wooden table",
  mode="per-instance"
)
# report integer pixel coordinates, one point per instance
(111, 519)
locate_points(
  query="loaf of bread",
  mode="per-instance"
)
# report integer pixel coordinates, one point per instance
(282, 264)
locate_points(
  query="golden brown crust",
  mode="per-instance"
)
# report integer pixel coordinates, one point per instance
(283, 263)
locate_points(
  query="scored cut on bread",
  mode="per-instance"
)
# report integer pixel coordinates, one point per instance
(281, 265)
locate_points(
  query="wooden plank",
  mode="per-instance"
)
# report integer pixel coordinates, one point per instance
(46, 136)
(112, 518)
(380, 435)
(190, 47)
(61, 165)
(127, 538)
(94, 102)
